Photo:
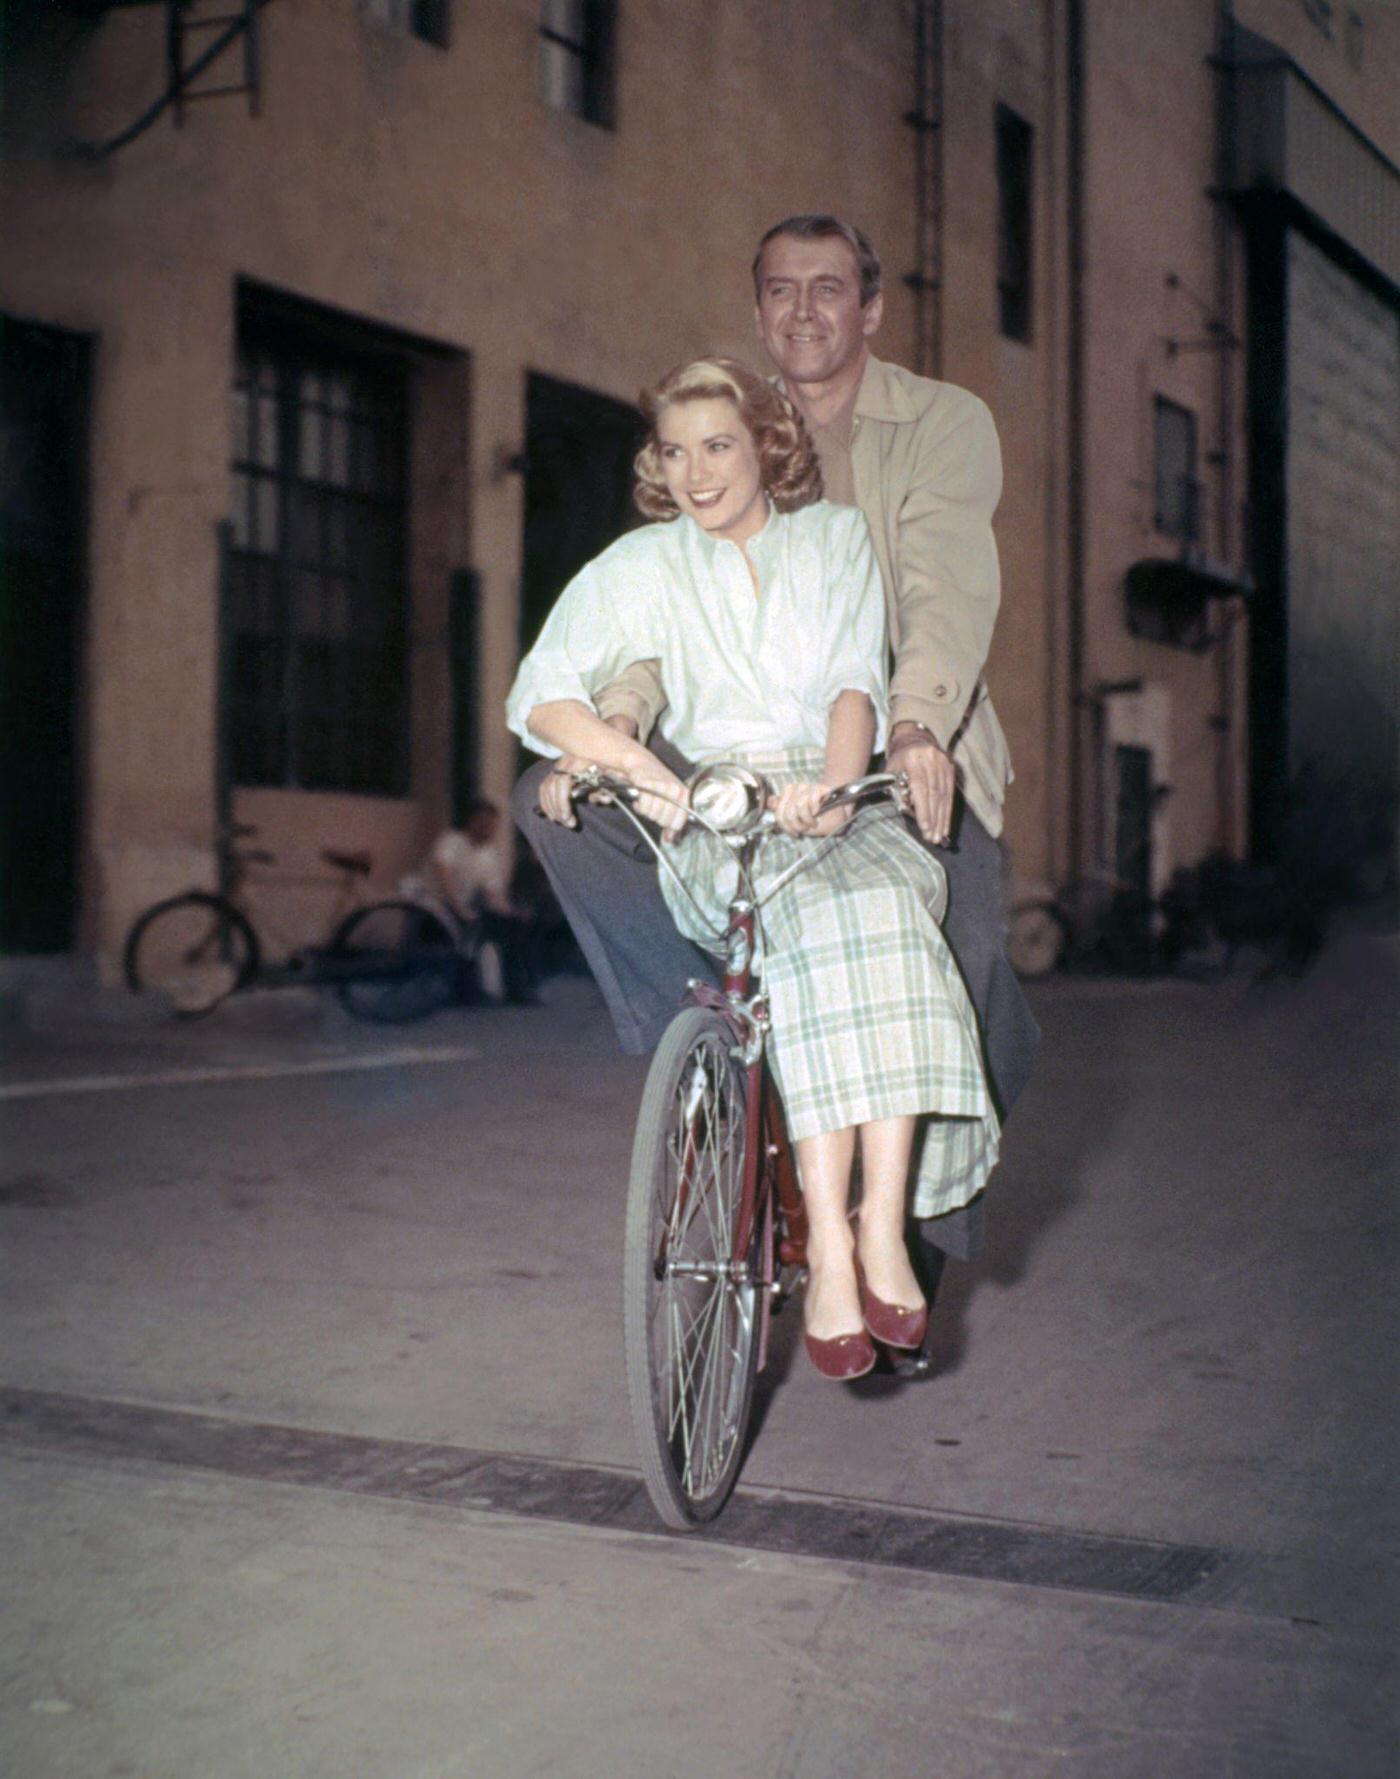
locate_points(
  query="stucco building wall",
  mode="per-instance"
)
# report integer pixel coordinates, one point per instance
(432, 192)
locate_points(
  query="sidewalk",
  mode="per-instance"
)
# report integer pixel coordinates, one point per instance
(1183, 1332)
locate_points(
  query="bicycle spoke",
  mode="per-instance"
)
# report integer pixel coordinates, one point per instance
(708, 1407)
(690, 1398)
(679, 1418)
(699, 1397)
(690, 1339)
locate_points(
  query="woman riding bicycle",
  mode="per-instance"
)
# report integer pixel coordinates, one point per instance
(762, 604)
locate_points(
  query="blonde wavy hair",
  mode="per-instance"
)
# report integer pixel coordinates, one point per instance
(787, 460)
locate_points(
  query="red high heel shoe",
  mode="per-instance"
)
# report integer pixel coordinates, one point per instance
(845, 1357)
(887, 1322)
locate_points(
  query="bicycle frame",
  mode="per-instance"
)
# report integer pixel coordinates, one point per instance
(770, 1189)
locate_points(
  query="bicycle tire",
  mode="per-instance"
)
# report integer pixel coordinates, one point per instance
(690, 1342)
(191, 952)
(394, 961)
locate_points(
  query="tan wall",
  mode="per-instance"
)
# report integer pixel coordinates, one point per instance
(1351, 48)
(433, 192)
(1006, 53)
(1151, 299)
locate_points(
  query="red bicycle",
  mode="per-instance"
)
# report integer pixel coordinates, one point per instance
(716, 1232)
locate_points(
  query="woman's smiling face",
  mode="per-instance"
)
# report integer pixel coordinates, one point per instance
(711, 467)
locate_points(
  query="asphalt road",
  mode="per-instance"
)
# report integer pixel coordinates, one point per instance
(316, 1457)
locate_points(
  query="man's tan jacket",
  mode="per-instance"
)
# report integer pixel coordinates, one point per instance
(927, 470)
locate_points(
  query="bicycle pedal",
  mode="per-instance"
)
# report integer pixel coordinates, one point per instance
(913, 1366)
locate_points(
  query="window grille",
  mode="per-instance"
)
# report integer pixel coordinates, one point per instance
(576, 58)
(427, 19)
(1176, 492)
(1014, 209)
(317, 623)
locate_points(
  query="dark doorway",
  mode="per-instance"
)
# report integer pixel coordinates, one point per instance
(579, 448)
(43, 447)
(1132, 905)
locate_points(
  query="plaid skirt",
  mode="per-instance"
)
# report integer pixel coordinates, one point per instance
(870, 1016)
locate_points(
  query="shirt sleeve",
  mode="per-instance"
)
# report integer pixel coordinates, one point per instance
(637, 693)
(856, 617)
(587, 640)
(949, 581)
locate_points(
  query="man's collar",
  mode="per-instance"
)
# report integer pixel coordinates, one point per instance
(881, 395)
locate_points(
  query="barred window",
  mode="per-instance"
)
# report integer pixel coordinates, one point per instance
(576, 58)
(427, 19)
(316, 625)
(1177, 493)
(1013, 135)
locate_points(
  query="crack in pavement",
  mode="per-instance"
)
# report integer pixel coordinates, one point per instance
(609, 1499)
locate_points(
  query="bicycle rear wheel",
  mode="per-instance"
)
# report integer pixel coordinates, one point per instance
(690, 1309)
(190, 952)
(394, 961)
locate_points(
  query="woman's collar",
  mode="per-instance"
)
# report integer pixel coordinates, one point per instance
(765, 533)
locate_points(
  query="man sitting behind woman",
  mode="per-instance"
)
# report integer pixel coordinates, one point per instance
(762, 604)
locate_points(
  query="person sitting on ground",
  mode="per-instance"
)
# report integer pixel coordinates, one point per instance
(762, 605)
(469, 870)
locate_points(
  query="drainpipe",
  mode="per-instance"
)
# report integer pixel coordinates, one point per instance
(1225, 543)
(926, 121)
(1076, 529)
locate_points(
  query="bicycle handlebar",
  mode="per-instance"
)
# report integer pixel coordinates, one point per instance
(896, 783)
(745, 797)
(591, 779)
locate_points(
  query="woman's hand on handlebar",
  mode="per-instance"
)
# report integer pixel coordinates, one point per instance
(795, 809)
(662, 798)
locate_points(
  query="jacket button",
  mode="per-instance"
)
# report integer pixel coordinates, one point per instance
(940, 691)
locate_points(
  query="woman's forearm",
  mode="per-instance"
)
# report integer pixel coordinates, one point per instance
(850, 735)
(573, 728)
(580, 733)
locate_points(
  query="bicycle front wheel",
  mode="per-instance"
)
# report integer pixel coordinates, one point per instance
(690, 1305)
(189, 953)
(394, 961)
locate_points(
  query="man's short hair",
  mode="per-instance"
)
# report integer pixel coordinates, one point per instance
(820, 227)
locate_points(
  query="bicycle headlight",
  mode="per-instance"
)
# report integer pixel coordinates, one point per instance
(730, 799)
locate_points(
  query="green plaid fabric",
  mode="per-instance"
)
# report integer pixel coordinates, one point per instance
(870, 1016)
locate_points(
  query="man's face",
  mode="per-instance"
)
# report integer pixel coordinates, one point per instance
(809, 312)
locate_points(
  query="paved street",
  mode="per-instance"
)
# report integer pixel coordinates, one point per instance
(316, 1457)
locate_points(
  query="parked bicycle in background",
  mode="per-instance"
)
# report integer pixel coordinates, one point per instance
(389, 959)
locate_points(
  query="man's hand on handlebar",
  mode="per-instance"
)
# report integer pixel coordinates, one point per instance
(932, 780)
(795, 810)
(556, 798)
